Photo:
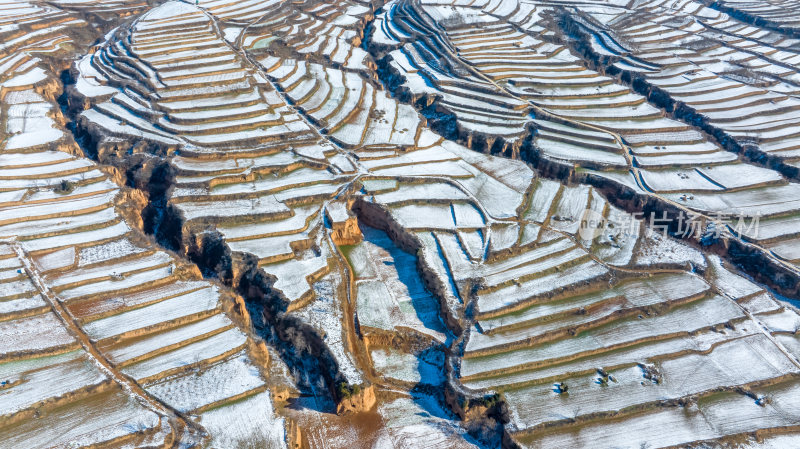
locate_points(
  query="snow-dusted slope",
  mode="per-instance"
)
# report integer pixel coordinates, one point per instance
(105, 339)
(440, 295)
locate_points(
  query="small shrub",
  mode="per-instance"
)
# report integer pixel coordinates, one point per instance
(64, 187)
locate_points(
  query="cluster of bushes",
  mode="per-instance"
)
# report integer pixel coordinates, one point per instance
(346, 391)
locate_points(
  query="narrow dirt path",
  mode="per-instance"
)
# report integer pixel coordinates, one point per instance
(187, 433)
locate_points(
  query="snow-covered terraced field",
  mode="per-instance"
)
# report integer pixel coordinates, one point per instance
(778, 13)
(423, 68)
(439, 234)
(739, 84)
(549, 286)
(47, 373)
(741, 79)
(327, 31)
(390, 297)
(83, 295)
(344, 104)
(736, 81)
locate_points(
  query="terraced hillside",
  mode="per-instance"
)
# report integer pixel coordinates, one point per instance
(413, 224)
(770, 14)
(738, 82)
(107, 339)
(645, 133)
